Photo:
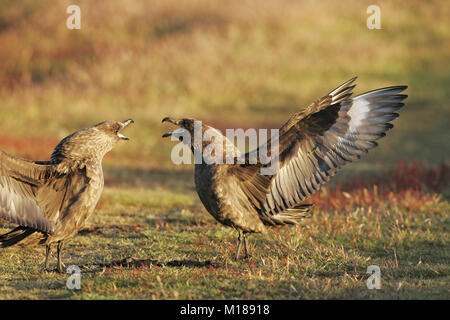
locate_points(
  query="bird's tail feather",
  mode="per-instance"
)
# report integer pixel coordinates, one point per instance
(14, 236)
(295, 214)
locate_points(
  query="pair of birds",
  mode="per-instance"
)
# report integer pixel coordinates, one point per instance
(50, 201)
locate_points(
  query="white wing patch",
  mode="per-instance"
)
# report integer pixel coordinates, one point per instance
(358, 112)
(361, 121)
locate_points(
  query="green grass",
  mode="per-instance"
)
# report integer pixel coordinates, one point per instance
(237, 64)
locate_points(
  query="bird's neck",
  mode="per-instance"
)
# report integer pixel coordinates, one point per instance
(213, 147)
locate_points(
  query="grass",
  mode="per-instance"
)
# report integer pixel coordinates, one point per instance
(175, 250)
(241, 64)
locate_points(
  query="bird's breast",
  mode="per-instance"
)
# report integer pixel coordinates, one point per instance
(79, 206)
(224, 199)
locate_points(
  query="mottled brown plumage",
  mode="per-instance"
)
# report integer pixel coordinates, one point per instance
(313, 145)
(51, 200)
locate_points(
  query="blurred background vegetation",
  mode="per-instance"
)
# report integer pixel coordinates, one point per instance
(230, 63)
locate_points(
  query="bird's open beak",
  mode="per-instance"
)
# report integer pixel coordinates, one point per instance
(167, 119)
(125, 124)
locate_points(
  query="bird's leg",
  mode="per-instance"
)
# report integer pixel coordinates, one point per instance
(240, 239)
(48, 251)
(246, 255)
(60, 264)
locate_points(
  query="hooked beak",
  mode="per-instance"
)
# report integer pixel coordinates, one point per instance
(167, 119)
(125, 124)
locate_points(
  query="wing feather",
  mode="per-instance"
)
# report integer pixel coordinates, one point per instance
(32, 194)
(317, 141)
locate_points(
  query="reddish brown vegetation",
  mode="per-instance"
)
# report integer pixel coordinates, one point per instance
(410, 184)
(33, 149)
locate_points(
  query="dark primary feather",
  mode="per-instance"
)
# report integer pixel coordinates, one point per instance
(16, 235)
(316, 142)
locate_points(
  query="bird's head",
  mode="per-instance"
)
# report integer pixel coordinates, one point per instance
(92, 142)
(190, 132)
(108, 133)
(112, 129)
(184, 125)
(200, 136)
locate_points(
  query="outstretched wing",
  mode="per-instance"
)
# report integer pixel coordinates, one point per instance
(33, 193)
(317, 141)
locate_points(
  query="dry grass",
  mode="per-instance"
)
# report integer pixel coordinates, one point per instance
(141, 234)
